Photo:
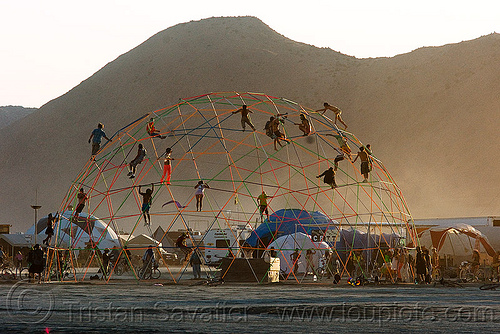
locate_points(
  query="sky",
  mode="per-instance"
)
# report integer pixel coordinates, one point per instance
(48, 47)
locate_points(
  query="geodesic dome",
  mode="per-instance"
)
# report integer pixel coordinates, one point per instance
(208, 143)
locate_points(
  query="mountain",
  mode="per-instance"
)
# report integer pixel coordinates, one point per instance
(9, 114)
(431, 115)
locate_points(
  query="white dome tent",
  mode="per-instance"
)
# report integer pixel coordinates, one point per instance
(287, 244)
(77, 234)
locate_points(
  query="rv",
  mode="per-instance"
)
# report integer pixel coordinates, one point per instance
(220, 243)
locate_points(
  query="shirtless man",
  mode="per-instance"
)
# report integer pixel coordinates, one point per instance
(276, 131)
(335, 110)
(147, 199)
(365, 162)
(245, 118)
(304, 126)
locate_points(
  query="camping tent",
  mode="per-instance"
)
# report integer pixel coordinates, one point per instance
(457, 241)
(77, 233)
(286, 245)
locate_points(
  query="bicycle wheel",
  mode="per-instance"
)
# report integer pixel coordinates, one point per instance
(436, 274)
(118, 270)
(481, 275)
(155, 274)
(466, 275)
(24, 274)
(69, 274)
(7, 274)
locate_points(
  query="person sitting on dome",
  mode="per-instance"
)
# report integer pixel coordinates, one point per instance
(304, 126)
(152, 131)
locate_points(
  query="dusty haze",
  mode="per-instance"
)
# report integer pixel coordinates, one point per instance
(430, 115)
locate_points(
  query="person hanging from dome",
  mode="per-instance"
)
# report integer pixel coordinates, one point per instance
(336, 111)
(167, 166)
(304, 126)
(96, 137)
(328, 177)
(152, 131)
(245, 117)
(147, 200)
(141, 154)
(365, 162)
(200, 192)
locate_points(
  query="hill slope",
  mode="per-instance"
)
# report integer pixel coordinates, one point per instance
(9, 114)
(430, 115)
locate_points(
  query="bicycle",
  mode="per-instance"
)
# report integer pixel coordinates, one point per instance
(210, 281)
(152, 273)
(469, 274)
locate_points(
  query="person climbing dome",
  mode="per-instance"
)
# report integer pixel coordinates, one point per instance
(365, 161)
(96, 138)
(342, 140)
(335, 110)
(263, 205)
(245, 117)
(368, 149)
(200, 191)
(276, 130)
(182, 245)
(141, 153)
(329, 177)
(152, 131)
(147, 199)
(304, 126)
(82, 198)
(340, 156)
(167, 166)
(49, 231)
(268, 128)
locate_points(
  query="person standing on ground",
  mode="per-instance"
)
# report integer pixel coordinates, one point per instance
(105, 262)
(200, 192)
(167, 166)
(82, 197)
(141, 154)
(96, 138)
(148, 260)
(294, 257)
(18, 262)
(152, 131)
(245, 117)
(365, 162)
(147, 199)
(335, 110)
(36, 258)
(329, 177)
(196, 264)
(310, 261)
(263, 205)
